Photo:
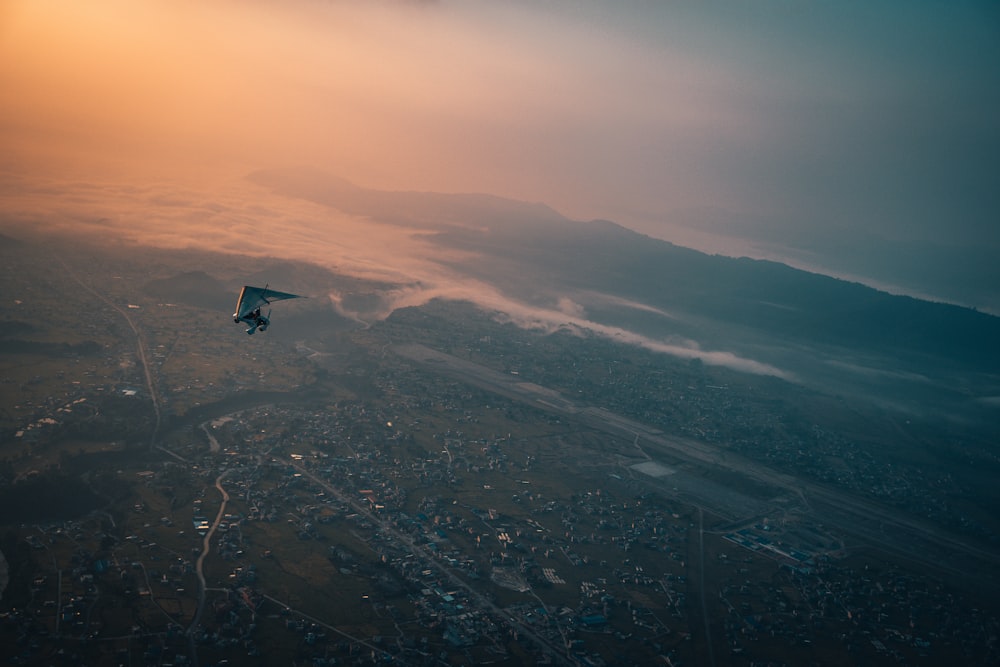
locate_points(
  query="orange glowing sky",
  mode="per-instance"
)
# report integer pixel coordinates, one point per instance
(463, 97)
(833, 136)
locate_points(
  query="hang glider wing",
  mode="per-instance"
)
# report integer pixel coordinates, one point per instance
(252, 298)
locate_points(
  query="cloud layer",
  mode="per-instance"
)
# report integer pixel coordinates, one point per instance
(804, 133)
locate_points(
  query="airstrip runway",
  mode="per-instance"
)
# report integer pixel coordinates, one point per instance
(868, 522)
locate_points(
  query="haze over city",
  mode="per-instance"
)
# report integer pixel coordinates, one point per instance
(565, 333)
(845, 138)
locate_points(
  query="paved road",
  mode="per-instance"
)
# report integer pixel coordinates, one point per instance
(556, 653)
(206, 546)
(140, 349)
(701, 574)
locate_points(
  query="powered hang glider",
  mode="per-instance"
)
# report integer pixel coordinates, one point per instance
(249, 304)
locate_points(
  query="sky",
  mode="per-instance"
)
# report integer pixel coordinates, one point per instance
(858, 139)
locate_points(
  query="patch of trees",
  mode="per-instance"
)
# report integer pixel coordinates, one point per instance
(46, 497)
(87, 348)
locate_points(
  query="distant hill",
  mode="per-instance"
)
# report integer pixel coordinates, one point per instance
(10, 243)
(192, 288)
(785, 302)
(532, 252)
(444, 211)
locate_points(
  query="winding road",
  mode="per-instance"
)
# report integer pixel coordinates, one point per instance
(206, 546)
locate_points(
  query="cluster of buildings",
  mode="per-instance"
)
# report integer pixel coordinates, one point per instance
(473, 547)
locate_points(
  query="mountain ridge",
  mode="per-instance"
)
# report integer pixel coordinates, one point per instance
(532, 252)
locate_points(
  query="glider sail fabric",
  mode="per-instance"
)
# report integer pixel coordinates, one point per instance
(252, 298)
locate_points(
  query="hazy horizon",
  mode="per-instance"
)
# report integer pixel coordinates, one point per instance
(852, 140)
